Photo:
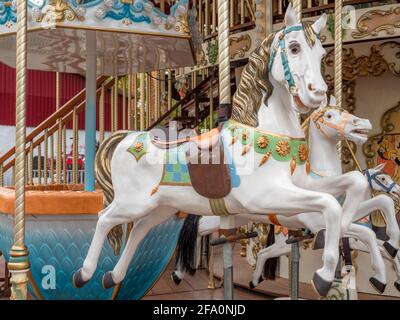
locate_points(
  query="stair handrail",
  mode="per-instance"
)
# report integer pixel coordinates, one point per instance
(78, 99)
(186, 100)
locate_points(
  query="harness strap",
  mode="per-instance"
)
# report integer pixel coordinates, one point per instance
(340, 128)
(280, 44)
(372, 178)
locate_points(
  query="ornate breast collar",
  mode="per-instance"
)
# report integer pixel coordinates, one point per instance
(280, 147)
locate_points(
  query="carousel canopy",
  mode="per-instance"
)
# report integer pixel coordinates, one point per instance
(131, 36)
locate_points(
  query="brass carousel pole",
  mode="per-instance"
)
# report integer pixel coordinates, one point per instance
(227, 226)
(19, 256)
(295, 250)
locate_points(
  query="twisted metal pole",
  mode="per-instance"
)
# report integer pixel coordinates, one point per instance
(338, 52)
(19, 256)
(227, 222)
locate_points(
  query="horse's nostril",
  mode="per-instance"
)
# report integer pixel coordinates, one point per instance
(310, 87)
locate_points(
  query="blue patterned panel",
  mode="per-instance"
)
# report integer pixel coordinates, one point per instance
(151, 258)
(62, 243)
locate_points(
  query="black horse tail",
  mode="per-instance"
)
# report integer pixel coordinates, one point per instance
(271, 266)
(186, 251)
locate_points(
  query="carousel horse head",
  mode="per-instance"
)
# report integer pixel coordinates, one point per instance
(338, 124)
(290, 58)
(380, 181)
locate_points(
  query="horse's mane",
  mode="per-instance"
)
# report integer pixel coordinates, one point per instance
(254, 83)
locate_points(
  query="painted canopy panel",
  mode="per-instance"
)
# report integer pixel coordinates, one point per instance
(130, 38)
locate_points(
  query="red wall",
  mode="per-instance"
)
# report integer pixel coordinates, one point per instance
(41, 100)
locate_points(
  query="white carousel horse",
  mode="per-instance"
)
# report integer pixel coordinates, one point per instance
(314, 223)
(336, 126)
(283, 77)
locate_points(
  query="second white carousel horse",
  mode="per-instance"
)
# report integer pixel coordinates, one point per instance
(336, 126)
(280, 247)
(283, 77)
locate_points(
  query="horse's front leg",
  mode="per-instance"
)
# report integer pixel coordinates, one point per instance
(289, 200)
(278, 249)
(352, 184)
(105, 223)
(386, 205)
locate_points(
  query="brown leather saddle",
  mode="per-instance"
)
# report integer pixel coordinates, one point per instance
(208, 170)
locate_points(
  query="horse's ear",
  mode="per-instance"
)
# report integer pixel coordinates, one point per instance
(332, 101)
(320, 24)
(380, 167)
(290, 16)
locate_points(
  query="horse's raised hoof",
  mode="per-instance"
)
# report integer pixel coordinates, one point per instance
(397, 285)
(378, 286)
(319, 240)
(320, 285)
(175, 278)
(108, 281)
(390, 250)
(251, 285)
(77, 279)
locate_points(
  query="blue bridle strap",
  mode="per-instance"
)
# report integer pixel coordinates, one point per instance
(372, 178)
(280, 44)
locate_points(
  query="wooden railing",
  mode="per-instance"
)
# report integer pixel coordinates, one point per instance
(242, 16)
(316, 7)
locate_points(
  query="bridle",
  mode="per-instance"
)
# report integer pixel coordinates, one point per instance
(319, 121)
(372, 178)
(280, 44)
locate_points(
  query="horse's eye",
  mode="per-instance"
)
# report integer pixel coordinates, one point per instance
(329, 116)
(294, 48)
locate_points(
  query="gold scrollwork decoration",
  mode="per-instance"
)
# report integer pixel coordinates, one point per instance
(373, 22)
(59, 11)
(238, 46)
(374, 64)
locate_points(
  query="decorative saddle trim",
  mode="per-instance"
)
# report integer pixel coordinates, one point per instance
(204, 141)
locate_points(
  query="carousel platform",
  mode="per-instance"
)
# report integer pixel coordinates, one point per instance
(279, 288)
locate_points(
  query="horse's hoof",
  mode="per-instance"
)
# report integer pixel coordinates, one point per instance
(320, 285)
(397, 285)
(319, 240)
(390, 250)
(175, 278)
(77, 279)
(108, 281)
(251, 285)
(378, 286)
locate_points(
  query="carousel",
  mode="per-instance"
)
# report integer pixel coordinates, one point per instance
(271, 125)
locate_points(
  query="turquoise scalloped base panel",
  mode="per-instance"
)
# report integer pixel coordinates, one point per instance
(151, 258)
(63, 243)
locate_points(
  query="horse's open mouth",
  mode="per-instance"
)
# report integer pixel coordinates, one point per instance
(363, 133)
(300, 105)
(396, 193)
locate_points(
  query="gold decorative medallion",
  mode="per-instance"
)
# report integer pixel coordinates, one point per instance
(138, 146)
(262, 142)
(154, 190)
(265, 158)
(282, 148)
(292, 165)
(308, 167)
(245, 135)
(246, 149)
(234, 139)
(303, 152)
